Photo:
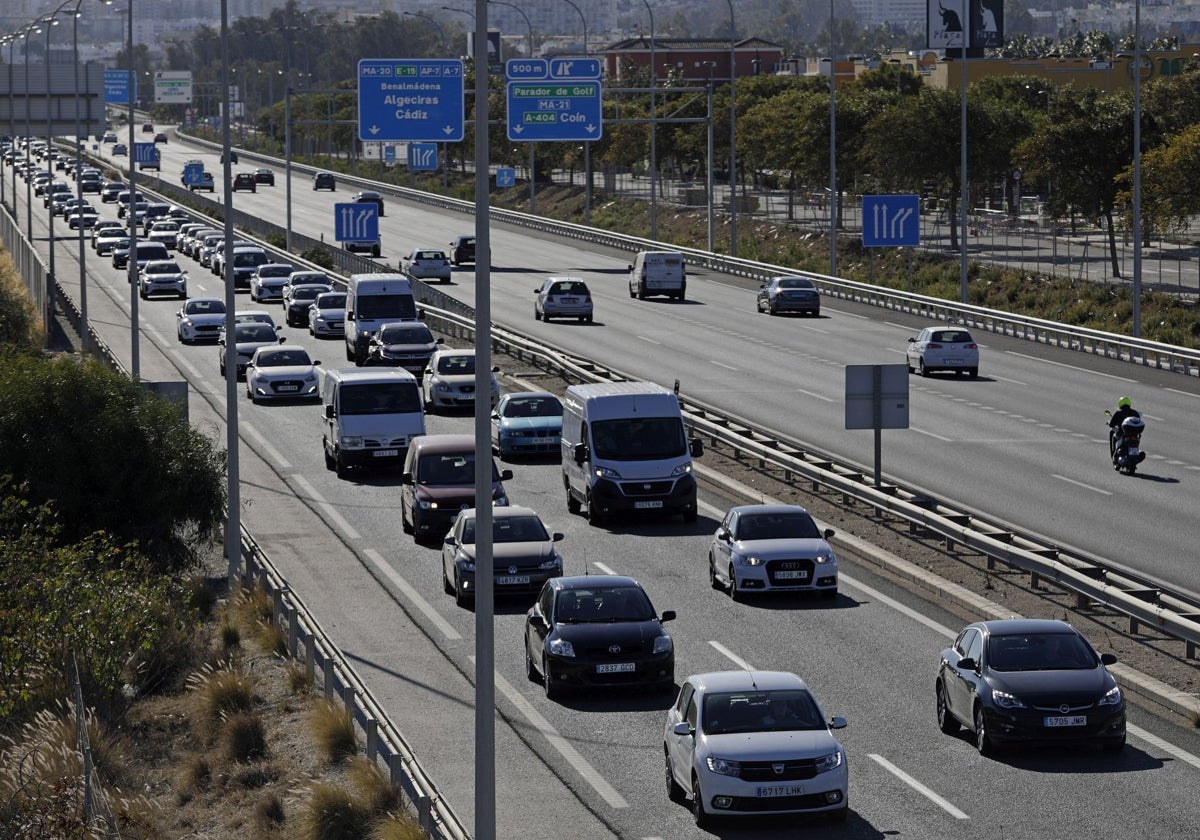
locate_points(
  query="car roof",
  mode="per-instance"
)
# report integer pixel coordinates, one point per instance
(749, 509)
(444, 443)
(295, 348)
(451, 351)
(1005, 626)
(507, 512)
(746, 681)
(512, 395)
(590, 581)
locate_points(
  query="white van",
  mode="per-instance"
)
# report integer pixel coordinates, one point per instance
(658, 273)
(371, 301)
(370, 417)
(625, 448)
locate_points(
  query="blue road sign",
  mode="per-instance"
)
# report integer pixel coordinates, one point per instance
(354, 222)
(422, 156)
(411, 99)
(193, 173)
(506, 176)
(389, 153)
(145, 153)
(554, 99)
(891, 220)
(116, 87)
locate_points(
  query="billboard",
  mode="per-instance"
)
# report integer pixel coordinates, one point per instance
(944, 24)
(173, 86)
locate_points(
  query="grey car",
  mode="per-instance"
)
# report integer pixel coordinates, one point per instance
(789, 294)
(563, 297)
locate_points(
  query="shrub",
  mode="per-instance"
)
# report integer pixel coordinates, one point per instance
(332, 814)
(221, 692)
(333, 730)
(318, 256)
(268, 813)
(19, 327)
(243, 737)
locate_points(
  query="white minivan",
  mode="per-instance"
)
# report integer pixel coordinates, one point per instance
(625, 448)
(658, 273)
(370, 417)
(373, 300)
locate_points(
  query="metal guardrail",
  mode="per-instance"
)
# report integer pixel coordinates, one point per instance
(1090, 579)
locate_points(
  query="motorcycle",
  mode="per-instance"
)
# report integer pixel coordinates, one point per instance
(1124, 443)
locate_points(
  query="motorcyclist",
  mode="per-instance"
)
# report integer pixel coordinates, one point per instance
(1124, 411)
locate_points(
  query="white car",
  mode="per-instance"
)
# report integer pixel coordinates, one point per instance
(426, 264)
(200, 319)
(82, 218)
(943, 348)
(166, 232)
(449, 381)
(249, 337)
(282, 372)
(772, 548)
(107, 238)
(327, 315)
(268, 280)
(753, 744)
(562, 297)
(162, 277)
(106, 224)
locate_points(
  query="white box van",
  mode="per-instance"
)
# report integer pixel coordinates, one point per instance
(371, 301)
(625, 448)
(658, 273)
(370, 417)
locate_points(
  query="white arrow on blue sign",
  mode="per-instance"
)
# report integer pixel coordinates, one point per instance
(411, 99)
(145, 153)
(555, 99)
(356, 222)
(891, 221)
(193, 174)
(506, 176)
(422, 156)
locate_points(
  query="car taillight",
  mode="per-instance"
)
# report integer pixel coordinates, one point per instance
(972, 346)
(587, 298)
(933, 346)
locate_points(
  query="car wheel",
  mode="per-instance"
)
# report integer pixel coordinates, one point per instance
(973, 373)
(537, 316)
(1115, 746)
(593, 515)
(829, 594)
(339, 466)
(447, 586)
(405, 523)
(983, 741)
(690, 515)
(330, 463)
(250, 396)
(588, 319)
(734, 594)
(531, 672)
(553, 692)
(460, 595)
(703, 820)
(907, 365)
(945, 718)
(221, 367)
(771, 310)
(632, 292)
(713, 580)
(924, 370)
(839, 815)
(573, 505)
(641, 293)
(675, 791)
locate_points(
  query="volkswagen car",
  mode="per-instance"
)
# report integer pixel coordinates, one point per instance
(523, 554)
(282, 372)
(1028, 681)
(789, 294)
(771, 548)
(404, 344)
(590, 631)
(943, 348)
(527, 423)
(730, 752)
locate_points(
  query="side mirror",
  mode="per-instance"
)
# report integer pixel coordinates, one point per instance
(506, 475)
(968, 663)
(448, 539)
(837, 722)
(495, 368)
(911, 339)
(330, 411)
(282, 338)
(537, 620)
(1108, 658)
(406, 478)
(495, 415)
(557, 536)
(316, 362)
(580, 453)
(668, 615)
(682, 728)
(828, 533)
(723, 535)
(629, 267)
(696, 446)
(350, 314)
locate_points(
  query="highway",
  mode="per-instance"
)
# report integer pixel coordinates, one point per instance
(1025, 442)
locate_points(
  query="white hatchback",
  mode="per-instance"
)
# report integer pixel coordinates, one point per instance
(753, 744)
(943, 348)
(772, 548)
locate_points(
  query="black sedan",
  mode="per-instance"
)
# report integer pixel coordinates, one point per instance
(523, 554)
(789, 294)
(597, 630)
(266, 176)
(1028, 680)
(369, 197)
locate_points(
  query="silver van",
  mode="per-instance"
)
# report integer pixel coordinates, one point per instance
(370, 417)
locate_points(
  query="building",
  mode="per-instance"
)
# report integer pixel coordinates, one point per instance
(692, 59)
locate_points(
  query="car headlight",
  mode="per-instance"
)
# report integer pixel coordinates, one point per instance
(724, 766)
(1111, 698)
(467, 565)
(443, 387)
(747, 560)
(829, 762)
(682, 469)
(561, 647)
(553, 563)
(311, 377)
(1007, 701)
(426, 504)
(500, 500)
(607, 472)
(351, 442)
(825, 557)
(664, 644)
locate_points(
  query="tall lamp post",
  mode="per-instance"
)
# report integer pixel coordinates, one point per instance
(710, 185)
(587, 144)
(732, 132)
(528, 53)
(833, 190)
(29, 30)
(51, 20)
(130, 216)
(653, 130)
(83, 310)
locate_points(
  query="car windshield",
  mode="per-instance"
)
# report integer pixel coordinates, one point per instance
(205, 307)
(602, 604)
(392, 307)
(638, 439)
(533, 407)
(405, 335)
(449, 468)
(1039, 652)
(380, 398)
(760, 711)
(777, 526)
(334, 301)
(951, 337)
(457, 365)
(282, 358)
(251, 259)
(162, 268)
(275, 271)
(509, 529)
(306, 293)
(255, 332)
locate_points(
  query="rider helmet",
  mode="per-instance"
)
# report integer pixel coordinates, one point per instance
(1124, 402)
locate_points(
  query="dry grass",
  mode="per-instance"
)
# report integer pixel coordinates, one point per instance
(243, 738)
(333, 730)
(219, 692)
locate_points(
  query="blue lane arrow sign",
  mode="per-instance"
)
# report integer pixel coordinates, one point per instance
(891, 221)
(145, 153)
(193, 173)
(506, 176)
(354, 222)
(422, 156)
(409, 99)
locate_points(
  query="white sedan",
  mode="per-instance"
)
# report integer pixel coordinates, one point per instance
(771, 548)
(943, 348)
(449, 381)
(752, 744)
(426, 264)
(200, 319)
(284, 371)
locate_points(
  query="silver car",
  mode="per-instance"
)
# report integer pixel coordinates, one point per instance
(162, 277)
(449, 381)
(426, 264)
(771, 548)
(563, 297)
(943, 348)
(327, 315)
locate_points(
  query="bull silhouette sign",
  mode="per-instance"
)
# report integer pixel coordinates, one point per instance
(945, 19)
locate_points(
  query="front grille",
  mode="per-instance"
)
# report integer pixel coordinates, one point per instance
(601, 652)
(288, 386)
(386, 443)
(792, 770)
(807, 802)
(774, 567)
(646, 488)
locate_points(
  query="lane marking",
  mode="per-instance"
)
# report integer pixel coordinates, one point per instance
(722, 364)
(580, 764)
(932, 435)
(733, 657)
(649, 340)
(941, 802)
(1080, 484)
(604, 568)
(1069, 367)
(1166, 746)
(1181, 393)
(815, 396)
(876, 595)
(1013, 381)
(336, 518)
(273, 453)
(446, 628)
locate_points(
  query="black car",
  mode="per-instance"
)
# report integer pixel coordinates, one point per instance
(264, 176)
(597, 630)
(405, 344)
(369, 197)
(161, 137)
(462, 250)
(789, 294)
(233, 157)
(523, 553)
(1028, 680)
(245, 181)
(324, 181)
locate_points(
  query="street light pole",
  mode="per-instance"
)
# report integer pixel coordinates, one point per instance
(710, 186)
(131, 216)
(529, 54)
(587, 144)
(653, 130)
(32, 28)
(732, 132)
(833, 190)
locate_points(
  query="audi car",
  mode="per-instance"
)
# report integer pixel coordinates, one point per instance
(771, 548)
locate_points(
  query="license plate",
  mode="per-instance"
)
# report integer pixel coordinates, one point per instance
(1066, 720)
(567, 300)
(283, 388)
(512, 580)
(791, 575)
(953, 360)
(780, 790)
(386, 453)
(543, 441)
(616, 668)
(647, 505)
